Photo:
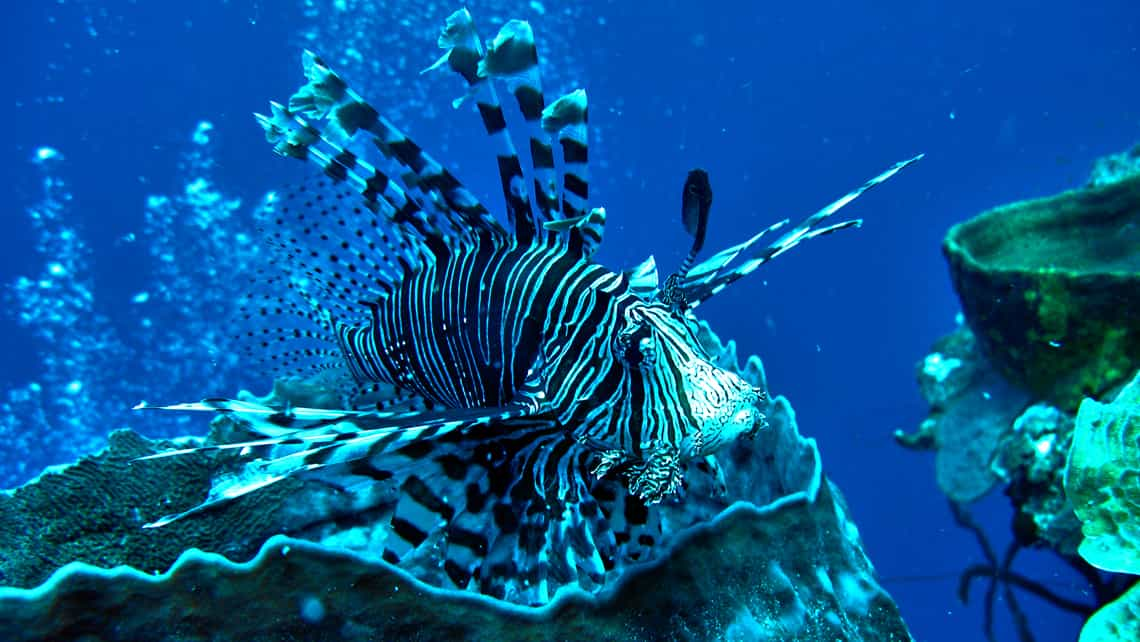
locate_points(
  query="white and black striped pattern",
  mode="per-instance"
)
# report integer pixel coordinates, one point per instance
(546, 401)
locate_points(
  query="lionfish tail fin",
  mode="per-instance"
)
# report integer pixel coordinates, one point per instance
(715, 273)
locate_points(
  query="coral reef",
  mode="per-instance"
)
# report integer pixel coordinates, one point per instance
(1041, 284)
(93, 511)
(741, 575)
(1116, 167)
(1103, 479)
(1030, 460)
(1103, 482)
(986, 432)
(971, 409)
(1045, 286)
(768, 553)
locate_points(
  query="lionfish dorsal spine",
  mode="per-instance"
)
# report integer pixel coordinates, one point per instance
(325, 115)
(465, 55)
(567, 116)
(512, 58)
(442, 198)
(714, 274)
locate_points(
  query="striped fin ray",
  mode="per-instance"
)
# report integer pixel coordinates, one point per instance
(324, 438)
(583, 234)
(512, 57)
(429, 183)
(714, 274)
(321, 427)
(530, 488)
(567, 117)
(581, 542)
(464, 54)
(295, 137)
(423, 192)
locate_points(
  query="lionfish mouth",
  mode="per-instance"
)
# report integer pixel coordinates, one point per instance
(760, 424)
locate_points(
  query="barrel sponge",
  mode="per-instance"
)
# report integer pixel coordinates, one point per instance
(1042, 285)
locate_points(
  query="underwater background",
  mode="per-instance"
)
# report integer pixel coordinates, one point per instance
(133, 165)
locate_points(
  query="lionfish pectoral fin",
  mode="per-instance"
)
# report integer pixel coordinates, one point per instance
(658, 476)
(495, 497)
(716, 273)
(223, 489)
(319, 429)
(292, 426)
(323, 438)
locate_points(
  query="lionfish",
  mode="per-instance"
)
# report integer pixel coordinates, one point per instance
(547, 401)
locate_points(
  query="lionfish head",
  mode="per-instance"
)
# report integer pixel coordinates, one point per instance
(697, 406)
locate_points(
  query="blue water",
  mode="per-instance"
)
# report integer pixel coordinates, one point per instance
(786, 106)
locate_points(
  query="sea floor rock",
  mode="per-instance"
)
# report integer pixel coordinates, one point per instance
(792, 568)
(742, 576)
(971, 409)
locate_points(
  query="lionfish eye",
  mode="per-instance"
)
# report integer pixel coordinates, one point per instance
(635, 346)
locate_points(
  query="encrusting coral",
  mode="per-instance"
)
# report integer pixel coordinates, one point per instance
(1103, 483)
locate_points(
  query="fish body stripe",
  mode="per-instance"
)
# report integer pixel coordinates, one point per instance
(468, 331)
